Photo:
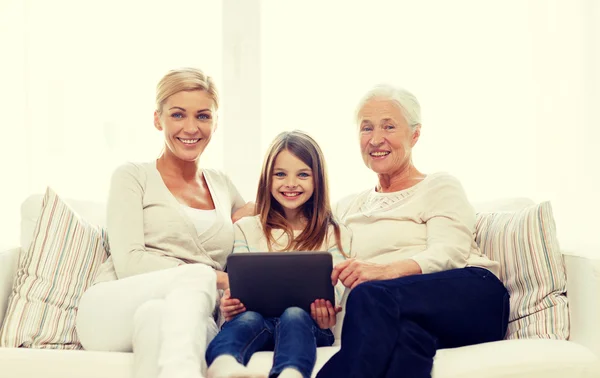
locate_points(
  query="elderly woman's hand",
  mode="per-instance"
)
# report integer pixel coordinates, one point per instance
(245, 211)
(353, 272)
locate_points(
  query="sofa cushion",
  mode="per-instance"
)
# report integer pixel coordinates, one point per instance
(514, 358)
(505, 204)
(506, 359)
(34, 363)
(531, 268)
(92, 212)
(8, 267)
(51, 276)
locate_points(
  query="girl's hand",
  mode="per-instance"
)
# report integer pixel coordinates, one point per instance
(230, 307)
(324, 313)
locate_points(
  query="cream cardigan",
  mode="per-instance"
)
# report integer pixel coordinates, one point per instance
(432, 223)
(148, 230)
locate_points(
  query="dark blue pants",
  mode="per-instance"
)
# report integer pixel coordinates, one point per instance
(393, 328)
(294, 336)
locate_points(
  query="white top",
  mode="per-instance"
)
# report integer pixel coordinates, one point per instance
(249, 237)
(202, 219)
(148, 230)
(432, 223)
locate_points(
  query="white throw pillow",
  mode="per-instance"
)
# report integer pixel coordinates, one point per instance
(531, 267)
(51, 277)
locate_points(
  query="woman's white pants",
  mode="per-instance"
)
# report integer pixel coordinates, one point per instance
(164, 317)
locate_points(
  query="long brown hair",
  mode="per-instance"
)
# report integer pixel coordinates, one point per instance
(317, 209)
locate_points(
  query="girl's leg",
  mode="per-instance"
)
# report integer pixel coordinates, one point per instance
(296, 340)
(230, 351)
(168, 311)
(393, 328)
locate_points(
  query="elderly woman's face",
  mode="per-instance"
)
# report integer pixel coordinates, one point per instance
(386, 139)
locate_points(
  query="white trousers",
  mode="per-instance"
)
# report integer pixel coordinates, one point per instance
(164, 317)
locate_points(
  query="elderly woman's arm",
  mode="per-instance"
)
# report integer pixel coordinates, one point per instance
(450, 222)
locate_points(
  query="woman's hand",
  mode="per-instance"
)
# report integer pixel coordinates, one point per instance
(245, 211)
(230, 307)
(222, 280)
(324, 313)
(353, 272)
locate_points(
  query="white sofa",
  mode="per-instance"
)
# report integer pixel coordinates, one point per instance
(514, 358)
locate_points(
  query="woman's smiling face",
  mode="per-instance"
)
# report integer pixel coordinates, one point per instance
(187, 120)
(386, 139)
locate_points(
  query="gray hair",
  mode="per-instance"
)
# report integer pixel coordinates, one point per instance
(408, 103)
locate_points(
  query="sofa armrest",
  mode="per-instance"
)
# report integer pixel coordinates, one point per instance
(583, 291)
(8, 267)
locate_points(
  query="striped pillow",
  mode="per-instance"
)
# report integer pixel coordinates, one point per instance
(531, 268)
(51, 277)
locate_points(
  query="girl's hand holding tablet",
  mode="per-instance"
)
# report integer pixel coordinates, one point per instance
(230, 307)
(323, 313)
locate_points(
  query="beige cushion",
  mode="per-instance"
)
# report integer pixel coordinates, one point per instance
(531, 268)
(52, 274)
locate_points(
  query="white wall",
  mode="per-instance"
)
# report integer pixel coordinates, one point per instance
(80, 90)
(508, 90)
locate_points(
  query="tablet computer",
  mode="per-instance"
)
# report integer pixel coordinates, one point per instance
(270, 282)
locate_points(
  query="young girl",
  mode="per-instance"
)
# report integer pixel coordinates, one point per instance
(294, 214)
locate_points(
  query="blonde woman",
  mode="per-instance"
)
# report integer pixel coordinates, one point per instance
(170, 228)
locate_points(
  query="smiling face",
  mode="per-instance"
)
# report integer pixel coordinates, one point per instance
(187, 119)
(292, 183)
(386, 139)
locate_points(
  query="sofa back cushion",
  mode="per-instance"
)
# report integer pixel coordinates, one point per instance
(531, 267)
(8, 268)
(51, 276)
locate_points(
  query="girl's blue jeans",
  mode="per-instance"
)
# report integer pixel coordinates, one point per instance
(294, 336)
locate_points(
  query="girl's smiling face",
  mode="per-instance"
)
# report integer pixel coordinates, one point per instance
(292, 184)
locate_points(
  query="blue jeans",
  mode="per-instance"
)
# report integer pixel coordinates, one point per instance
(393, 328)
(294, 336)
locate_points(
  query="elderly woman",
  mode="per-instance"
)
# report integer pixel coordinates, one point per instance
(419, 282)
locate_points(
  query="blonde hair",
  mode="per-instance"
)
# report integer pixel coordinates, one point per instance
(185, 79)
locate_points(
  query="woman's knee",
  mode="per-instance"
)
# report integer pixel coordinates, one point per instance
(150, 311)
(94, 331)
(196, 274)
(367, 294)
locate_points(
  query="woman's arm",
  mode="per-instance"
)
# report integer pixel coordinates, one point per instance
(450, 222)
(125, 224)
(239, 207)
